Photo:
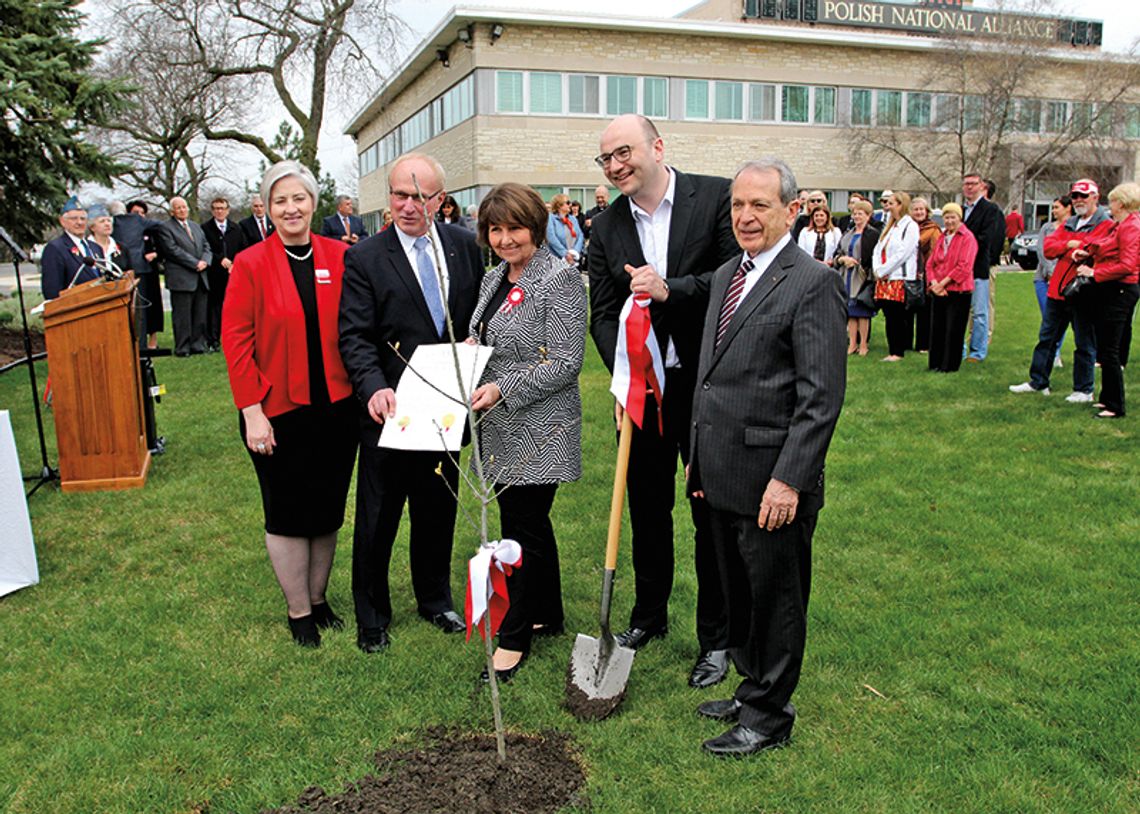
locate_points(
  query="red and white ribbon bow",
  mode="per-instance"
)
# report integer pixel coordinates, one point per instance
(638, 366)
(487, 574)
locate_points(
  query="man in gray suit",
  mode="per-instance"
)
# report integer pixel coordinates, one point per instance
(187, 256)
(769, 388)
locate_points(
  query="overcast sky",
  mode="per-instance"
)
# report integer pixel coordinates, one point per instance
(1121, 30)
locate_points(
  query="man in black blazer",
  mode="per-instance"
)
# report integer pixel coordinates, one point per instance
(344, 225)
(770, 386)
(257, 226)
(986, 222)
(226, 240)
(663, 236)
(389, 306)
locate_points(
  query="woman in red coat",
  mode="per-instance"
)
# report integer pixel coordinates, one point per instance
(1116, 270)
(950, 282)
(298, 417)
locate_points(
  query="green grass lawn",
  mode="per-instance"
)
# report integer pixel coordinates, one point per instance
(976, 564)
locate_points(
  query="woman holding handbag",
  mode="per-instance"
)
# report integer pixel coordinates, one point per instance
(895, 264)
(853, 260)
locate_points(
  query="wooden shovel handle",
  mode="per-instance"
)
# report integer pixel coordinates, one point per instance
(617, 502)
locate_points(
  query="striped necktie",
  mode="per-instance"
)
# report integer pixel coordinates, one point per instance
(731, 300)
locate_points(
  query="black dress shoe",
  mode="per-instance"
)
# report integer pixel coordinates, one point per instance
(741, 741)
(503, 676)
(727, 710)
(305, 631)
(448, 621)
(710, 669)
(372, 640)
(636, 637)
(325, 618)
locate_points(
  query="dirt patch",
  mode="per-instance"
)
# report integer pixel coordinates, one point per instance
(451, 771)
(12, 344)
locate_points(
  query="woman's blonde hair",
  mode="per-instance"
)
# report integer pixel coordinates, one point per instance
(1128, 194)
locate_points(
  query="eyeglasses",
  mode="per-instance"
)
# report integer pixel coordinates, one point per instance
(622, 154)
(816, 200)
(399, 197)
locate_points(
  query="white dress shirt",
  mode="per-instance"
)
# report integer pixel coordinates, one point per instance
(760, 264)
(653, 235)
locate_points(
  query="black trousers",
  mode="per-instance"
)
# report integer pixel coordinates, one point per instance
(767, 579)
(651, 485)
(922, 318)
(188, 314)
(386, 480)
(1115, 303)
(535, 588)
(899, 326)
(219, 279)
(949, 317)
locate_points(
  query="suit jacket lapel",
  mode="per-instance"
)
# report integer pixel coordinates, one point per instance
(408, 276)
(626, 231)
(684, 201)
(769, 280)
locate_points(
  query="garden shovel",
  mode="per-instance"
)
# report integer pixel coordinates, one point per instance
(599, 668)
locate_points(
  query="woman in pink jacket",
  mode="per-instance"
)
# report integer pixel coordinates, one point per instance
(950, 281)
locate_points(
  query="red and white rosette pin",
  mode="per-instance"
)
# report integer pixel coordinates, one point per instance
(487, 574)
(514, 297)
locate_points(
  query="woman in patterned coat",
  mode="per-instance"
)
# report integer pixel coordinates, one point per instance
(532, 311)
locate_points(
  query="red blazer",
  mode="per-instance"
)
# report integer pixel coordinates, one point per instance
(263, 327)
(1117, 254)
(957, 263)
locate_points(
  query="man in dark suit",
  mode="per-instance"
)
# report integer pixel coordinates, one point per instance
(257, 226)
(63, 261)
(135, 232)
(986, 222)
(187, 256)
(344, 225)
(390, 305)
(663, 237)
(225, 240)
(769, 390)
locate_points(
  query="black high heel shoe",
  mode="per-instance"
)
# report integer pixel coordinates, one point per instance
(305, 631)
(325, 618)
(503, 676)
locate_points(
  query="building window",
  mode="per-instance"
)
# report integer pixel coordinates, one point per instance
(918, 110)
(1132, 121)
(861, 110)
(762, 103)
(621, 95)
(794, 103)
(824, 106)
(545, 92)
(730, 101)
(655, 97)
(583, 93)
(973, 108)
(459, 103)
(1056, 114)
(947, 107)
(509, 92)
(1082, 120)
(696, 99)
(1029, 115)
(889, 109)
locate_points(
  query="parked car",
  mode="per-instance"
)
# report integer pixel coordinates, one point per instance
(1024, 250)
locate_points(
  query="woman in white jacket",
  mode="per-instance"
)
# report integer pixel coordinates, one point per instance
(820, 237)
(895, 262)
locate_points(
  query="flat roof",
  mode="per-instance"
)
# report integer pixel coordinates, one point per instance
(447, 32)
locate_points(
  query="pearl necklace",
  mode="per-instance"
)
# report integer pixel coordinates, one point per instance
(303, 257)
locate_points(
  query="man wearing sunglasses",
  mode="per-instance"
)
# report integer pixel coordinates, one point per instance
(392, 302)
(663, 237)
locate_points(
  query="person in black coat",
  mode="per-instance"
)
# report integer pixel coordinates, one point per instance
(675, 274)
(391, 304)
(344, 225)
(986, 223)
(226, 240)
(257, 226)
(66, 259)
(135, 231)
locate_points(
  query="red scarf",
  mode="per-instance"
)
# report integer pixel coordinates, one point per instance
(566, 219)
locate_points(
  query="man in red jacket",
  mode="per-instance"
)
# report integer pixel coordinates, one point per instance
(1090, 221)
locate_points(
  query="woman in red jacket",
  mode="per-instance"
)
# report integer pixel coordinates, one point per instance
(298, 417)
(1116, 270)
(950, 281)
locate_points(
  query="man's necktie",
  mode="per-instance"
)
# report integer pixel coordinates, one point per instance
(186, 226)
(261, 227)
(731, 300)
(429, 283)
(347, 231)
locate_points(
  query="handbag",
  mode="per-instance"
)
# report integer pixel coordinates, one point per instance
(1074, 287)
(866, 296)
(915, 294)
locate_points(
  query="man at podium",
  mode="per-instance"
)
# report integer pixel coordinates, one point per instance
(64, 261)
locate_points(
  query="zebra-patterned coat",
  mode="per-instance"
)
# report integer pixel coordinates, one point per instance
(534, 433)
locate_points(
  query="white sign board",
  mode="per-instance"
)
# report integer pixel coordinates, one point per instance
(17, 551)
(430, 413)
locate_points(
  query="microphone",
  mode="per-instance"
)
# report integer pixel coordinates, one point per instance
(88, 263)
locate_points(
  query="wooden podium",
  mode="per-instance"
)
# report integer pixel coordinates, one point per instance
(97, 398)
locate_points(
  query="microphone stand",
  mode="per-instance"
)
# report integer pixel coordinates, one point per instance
(47, 472)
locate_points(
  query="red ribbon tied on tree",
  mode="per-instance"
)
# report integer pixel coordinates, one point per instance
(514, 297)
(487, 574)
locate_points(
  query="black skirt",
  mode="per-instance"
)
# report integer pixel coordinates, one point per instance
(304, 483)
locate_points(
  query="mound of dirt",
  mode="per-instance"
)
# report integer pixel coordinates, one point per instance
(12, 344)
(451, 771)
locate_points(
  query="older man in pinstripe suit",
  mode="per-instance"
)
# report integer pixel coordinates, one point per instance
(770, 386)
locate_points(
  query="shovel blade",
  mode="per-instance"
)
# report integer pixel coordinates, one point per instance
(597, 677)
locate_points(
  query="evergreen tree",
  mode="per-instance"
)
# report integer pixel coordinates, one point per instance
(50, 100)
